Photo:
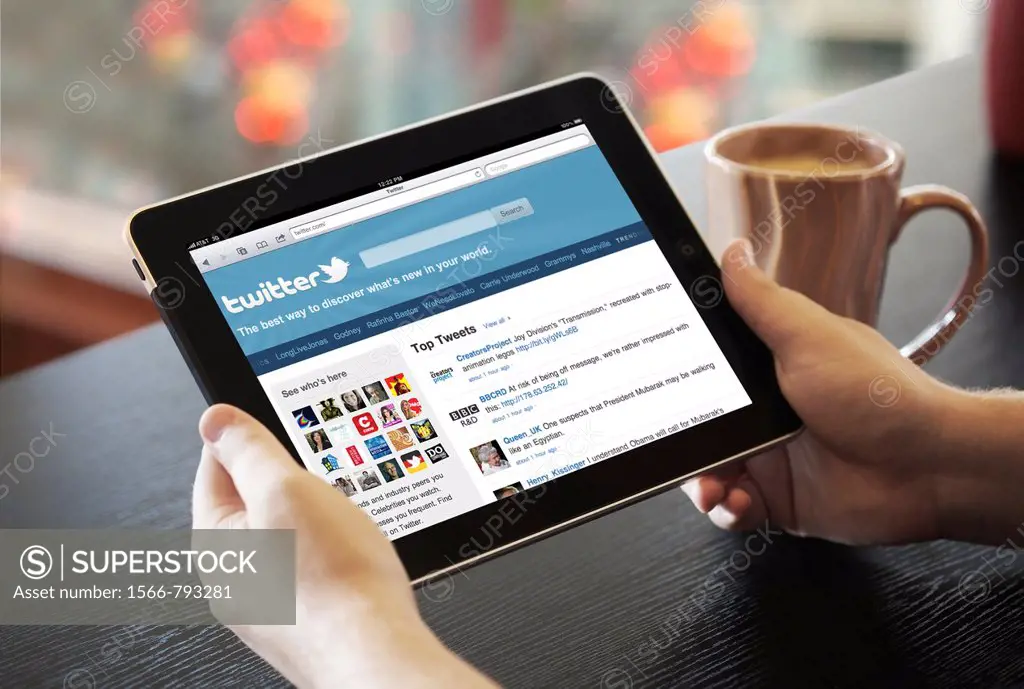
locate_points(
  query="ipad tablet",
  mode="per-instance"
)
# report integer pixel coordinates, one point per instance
(482, 329)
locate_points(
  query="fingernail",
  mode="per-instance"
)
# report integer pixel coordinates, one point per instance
(215, 421)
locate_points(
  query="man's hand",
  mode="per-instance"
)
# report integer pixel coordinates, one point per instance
(356, 619)
(864, 470)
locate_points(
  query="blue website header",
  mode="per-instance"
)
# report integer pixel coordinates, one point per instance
(431, 250)
(431, 304)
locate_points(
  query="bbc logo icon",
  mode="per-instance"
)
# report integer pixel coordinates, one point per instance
(464, 412)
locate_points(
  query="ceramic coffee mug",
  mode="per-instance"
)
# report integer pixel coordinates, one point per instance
(821, 206)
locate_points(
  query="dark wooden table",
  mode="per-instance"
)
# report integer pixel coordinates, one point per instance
(650, 596)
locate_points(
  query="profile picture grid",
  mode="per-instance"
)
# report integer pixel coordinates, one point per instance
(354, 456)
(345, 485)
(388, 415)
(330, 462)
(352, 400)
(398, 385)
(375, 393)
(489, 458)
(365, 423)
(410, 408)
(318, 441)
(390, 470)
(305, 418)
(377, 447)
(401, 438)
(329, 410)
(414, 461)
(376, 433)
(435, 453)
(367, 479)
(424, 430)
(340, 432)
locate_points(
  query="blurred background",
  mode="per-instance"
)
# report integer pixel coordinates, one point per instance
(108, 105)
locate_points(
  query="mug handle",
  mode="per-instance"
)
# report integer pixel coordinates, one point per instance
(913, 200)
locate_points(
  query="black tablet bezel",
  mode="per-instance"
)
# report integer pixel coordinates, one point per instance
(161, 234)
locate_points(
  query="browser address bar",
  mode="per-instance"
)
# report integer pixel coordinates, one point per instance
(386, 205)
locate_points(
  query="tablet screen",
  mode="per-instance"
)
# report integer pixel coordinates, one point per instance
(465, 332)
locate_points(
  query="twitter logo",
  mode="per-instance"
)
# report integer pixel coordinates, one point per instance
(335, 271)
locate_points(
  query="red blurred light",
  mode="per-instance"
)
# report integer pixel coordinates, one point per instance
(294, 127)
(263, 125)
(250, 122)
(489, 20)
(660, 137)
(314, 25)
(659, 63)
(724, 45)
(255, 43)
(679, 117)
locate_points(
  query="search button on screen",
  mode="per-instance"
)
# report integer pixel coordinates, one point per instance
(507, 212)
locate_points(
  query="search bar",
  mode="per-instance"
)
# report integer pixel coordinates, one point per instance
(386, 205)
(448, 232)
(537, 155)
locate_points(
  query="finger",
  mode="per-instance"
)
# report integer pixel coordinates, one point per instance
(214, 497)
(250, 453)
(778, 315)
(705, 492)
(730, 513)
(743, 509)
(754, 511)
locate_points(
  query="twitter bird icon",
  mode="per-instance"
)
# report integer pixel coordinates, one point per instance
(335, 271)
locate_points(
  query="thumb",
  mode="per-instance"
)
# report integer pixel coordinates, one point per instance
(781, 317)
(254, 459)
